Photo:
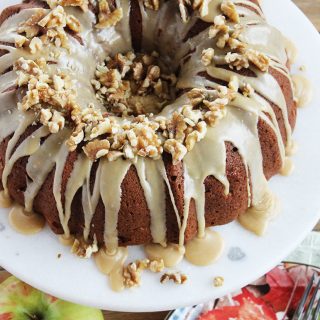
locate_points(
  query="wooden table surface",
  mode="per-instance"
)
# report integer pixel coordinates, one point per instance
(312, 9)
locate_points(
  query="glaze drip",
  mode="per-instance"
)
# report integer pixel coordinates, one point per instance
(112, 175)
(171, 254)
(112, 265)
(154, 191)
(257, 218)
(287, 167)
(25, 222)
(206, 250)
(66, 241)
(302, 90)
(5, 201)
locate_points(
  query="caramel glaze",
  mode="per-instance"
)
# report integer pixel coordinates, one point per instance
(5, 201)
(302, 89)
(111, 264)
(171, 254)
(25, 222)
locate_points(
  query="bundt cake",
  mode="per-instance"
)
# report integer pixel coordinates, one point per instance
(129, 122)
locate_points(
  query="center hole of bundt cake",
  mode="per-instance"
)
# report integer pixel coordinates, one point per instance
(131, 84)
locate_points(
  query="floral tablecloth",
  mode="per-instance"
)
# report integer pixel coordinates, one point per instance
(271, 297)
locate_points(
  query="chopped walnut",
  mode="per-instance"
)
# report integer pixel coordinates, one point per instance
(218, 281)
(83, 249)
(226, 35)
(176, 149)
(177, 278)
(153, 74)
(221, 30)
(114, 155)
(45, 116)
(201, 8)
(236, 45)
(30, 27)
(186, 6)
(212, 102)
(234, 83)
(147, 143)
(176, 127)
(137, 71)
(229, 10)
(97, 149)
(240, 61)
(152, 4)
(55, 18)
(183, 10)
(129, 139)
(191, 116)
(247, 90)
(196, 96)
(260, 60)
(108, 15)
(75, 139)
(35, 45)
(197, 135)
(156, 266)
(236, 60)
(131, 275)
(21, 41)
(207, 56)
(100, 128)
(128, 84)
(56, 121)
(54, 24)
(240, 55)
(73, 23)
(132, 272)
(83, 4)
(58, 38)
(57, 91)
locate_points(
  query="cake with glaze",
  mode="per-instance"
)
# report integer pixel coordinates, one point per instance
(140, 122)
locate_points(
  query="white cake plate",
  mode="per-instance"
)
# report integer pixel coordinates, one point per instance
(246, 256)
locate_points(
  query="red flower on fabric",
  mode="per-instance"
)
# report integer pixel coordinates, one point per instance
(248, 307)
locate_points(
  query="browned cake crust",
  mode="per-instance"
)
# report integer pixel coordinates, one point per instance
(134, 215)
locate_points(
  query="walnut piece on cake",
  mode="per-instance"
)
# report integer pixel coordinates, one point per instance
(152, 4)
(108, 15)
(56, 92)
(176, 149)
(55, 22)
(243, 60)
(207, 56)
(247, 90)
(54, 99)
(83, 4)
(187, 6)
(133, 84)
(240, 55)
(228, 8)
